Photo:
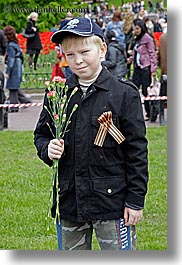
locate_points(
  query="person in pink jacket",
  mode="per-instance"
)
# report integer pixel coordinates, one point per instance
(144, 58)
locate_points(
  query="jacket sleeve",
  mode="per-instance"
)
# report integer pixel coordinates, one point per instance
(152, 54)
(135, 149)
(11, 53)
(29, 29)
(111, 59)
(43, 134)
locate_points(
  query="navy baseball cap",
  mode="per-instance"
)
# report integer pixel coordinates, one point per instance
(80, 26)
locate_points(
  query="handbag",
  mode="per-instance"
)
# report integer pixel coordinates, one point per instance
(28, 36)
(154, 88)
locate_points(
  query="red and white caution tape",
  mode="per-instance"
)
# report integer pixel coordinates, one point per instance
(20, 105)
(155, 98)
(40, 104)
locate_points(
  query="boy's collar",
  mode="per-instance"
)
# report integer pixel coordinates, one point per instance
(102, 82)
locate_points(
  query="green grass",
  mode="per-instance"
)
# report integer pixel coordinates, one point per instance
(152, 231)
(36, 78)
(25, 182)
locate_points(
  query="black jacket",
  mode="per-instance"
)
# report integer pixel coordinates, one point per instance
(35, 42)
(3, 43)
(96, 182)
(115, 59)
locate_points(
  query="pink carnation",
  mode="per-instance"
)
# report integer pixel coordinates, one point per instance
(51, 94)
(56, 117)
(59, 79)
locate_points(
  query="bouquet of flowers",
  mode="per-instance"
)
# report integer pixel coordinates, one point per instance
(57, 109)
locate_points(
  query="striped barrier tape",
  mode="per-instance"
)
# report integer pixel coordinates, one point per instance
(40, 104)
(154, 98)
(21, 105)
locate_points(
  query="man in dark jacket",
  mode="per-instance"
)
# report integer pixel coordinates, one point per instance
(102, 183)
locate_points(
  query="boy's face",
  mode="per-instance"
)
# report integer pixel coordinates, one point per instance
(84, 58)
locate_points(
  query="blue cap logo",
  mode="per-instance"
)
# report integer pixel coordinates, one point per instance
(72, 23)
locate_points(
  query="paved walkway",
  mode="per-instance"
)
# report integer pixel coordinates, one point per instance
(26, 118)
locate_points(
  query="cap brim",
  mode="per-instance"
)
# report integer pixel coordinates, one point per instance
(58, 36)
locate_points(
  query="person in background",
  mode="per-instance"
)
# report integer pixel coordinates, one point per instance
(116, 24)
(128, 31)
(63, 63)
(3, 45)
(149, 24)
(144, 59)
(102, 184)
(141, 13)
(13, 72)
(56, 70)
(151, 6)
(157, 25)
(115, 59)
(63, 22)
(34, 44)
(3, 112)
(162, 62)
(54, 28)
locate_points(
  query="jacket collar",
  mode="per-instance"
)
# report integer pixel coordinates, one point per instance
(103, 81)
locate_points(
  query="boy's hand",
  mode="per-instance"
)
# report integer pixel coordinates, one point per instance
(55, 149)
(132, 217)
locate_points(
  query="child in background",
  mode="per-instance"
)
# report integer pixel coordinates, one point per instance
(115, 59)
(56, 71)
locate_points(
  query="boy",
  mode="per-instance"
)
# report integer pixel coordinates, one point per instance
(103, 183)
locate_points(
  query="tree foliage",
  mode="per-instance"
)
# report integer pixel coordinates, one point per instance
(14, 13)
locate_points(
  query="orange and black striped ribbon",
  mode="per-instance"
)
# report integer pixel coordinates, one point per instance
(107, 126)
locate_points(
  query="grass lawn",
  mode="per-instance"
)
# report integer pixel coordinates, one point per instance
(25, 183)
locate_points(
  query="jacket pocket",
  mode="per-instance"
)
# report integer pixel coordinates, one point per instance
(108, 194)
(109, 186)
(63, 188)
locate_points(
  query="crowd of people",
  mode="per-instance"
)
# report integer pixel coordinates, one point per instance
(131, 46)
(118, 27)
